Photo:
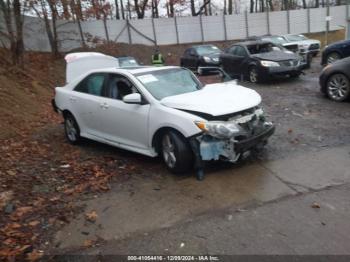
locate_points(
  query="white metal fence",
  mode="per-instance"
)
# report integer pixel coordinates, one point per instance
(164, 31)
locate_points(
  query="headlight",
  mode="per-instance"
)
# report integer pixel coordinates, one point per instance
(207, 59)
(269, 63)
(219, 129)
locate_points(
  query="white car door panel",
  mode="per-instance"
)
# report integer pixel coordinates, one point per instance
(123, 123)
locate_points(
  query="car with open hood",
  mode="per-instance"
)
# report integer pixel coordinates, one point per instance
(200, 56)
(313, 46)
(257, 61)
(163, 111)
(305, 55)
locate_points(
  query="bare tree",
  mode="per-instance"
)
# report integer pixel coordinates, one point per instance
(230, 7)
(122, 9)
(13, 12)
(140, 8)
(201, 8)
(46, 9)
(252, 6)
(117, 15)
(78, 17)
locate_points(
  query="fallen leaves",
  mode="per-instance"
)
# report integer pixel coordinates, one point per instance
(88, 243)
(315, 205)
(91, 216)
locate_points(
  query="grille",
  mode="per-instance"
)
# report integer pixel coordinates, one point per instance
(289, 63)
(314, 47)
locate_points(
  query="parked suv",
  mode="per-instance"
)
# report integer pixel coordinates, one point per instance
(310, 45)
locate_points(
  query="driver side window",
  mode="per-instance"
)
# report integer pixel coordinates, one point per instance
(119, 86)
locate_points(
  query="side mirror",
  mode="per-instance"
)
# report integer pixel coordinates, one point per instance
(134, 98)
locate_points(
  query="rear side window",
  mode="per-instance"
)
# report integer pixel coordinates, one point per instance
(92, 84)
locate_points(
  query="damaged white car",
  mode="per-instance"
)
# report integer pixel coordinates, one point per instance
(162, 111)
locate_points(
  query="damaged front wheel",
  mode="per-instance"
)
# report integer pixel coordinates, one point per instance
(176, 152)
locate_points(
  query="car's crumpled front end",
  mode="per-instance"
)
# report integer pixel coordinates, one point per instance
(238, 134)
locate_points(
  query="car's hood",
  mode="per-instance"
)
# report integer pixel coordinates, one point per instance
(306, 42)
(276, 56)
(213, 55)
(215, 99)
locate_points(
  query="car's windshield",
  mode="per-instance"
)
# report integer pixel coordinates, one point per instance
(276, 40)
(262, 48)
(127, 62)
(169, 82)
(207, 49)
(294, 38)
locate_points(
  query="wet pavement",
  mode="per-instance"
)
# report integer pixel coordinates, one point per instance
(154, 212)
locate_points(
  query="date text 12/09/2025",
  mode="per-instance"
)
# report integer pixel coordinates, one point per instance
(174, 258)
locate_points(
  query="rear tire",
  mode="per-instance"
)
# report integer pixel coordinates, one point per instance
(176, 153)
(72, 130)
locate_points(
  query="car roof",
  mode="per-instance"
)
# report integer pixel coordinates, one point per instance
(252, 42)
(134, 70)
(195, 46)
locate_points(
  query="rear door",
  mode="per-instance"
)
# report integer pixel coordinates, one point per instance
(120, 122)
(86, 100)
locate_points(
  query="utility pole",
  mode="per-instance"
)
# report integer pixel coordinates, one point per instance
(328, 18)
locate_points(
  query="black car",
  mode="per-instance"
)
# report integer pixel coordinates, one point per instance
(305, 55)
(200, 56)
(335, 52)
(335, 80)
(259, 60)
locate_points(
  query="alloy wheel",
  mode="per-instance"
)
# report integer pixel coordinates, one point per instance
(168, 151)
(71, 129)
(338, 87)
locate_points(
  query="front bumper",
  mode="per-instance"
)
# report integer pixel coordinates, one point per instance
(211, 148)
(284, 70)
(251, 142)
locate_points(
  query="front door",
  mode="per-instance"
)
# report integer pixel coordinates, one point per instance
(123, 123)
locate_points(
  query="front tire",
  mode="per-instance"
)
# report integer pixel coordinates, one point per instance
(253, 75)
(338, 87)
(71, 128)
(332, 57)
(176, 153)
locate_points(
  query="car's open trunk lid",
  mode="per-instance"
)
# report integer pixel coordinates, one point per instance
(80, 63)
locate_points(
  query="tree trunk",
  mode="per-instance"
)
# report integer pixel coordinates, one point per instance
(66, 13)
(171, 8)
(122, 9)
(304, 4)
(317, 3)
(117, 16)
(193, 8)
(271, 5)
(225, 9)
(262, 6)
(19, 45)
(252, 6)
(230, 9)
(105, 27)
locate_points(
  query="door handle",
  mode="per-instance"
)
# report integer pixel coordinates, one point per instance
(73, 99)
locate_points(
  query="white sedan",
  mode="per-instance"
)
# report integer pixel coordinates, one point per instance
(163, 111)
